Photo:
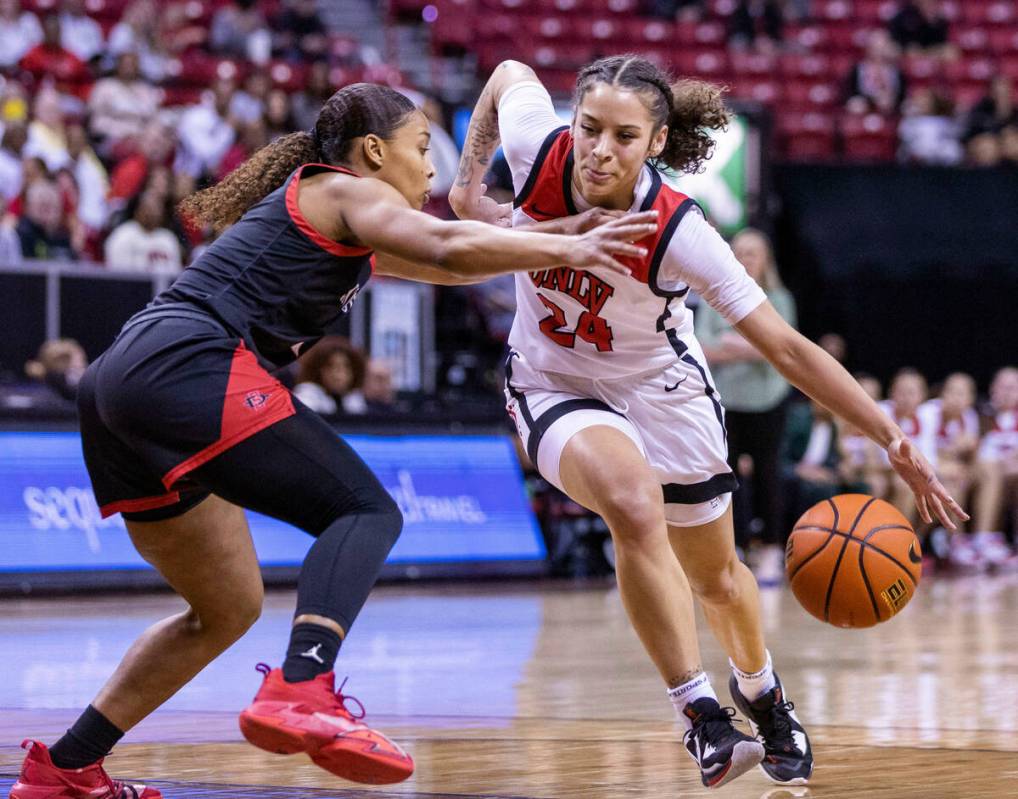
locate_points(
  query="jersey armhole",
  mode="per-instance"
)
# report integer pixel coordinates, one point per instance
(304, 226)
(535, 170)
(662, 247)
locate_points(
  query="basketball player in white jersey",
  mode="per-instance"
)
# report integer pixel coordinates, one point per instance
(908, 390)
(612, 396)
(997, 470)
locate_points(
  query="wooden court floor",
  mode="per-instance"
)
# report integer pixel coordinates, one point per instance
(542, 692)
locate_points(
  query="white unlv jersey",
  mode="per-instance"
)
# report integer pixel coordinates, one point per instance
(595, 322)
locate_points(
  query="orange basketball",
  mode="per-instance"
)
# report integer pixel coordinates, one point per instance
(853, 561)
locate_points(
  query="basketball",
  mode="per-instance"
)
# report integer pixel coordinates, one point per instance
(853, 561)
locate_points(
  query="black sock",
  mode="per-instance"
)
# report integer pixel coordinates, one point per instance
(312, 651)
(91, 737)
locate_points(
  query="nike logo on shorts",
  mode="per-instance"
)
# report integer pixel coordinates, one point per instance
(679, 383)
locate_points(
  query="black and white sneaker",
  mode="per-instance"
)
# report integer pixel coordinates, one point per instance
(720, 750)
(789, 757)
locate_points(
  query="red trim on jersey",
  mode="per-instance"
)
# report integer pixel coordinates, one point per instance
(138, 505)
(547, 200)
(305, 227)
(254, 400)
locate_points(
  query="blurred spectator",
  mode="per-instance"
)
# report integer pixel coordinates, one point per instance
(11, 169)
(834, 345)
(59, 366)
(862, 460)
(811, 458)
(331, 377)
(205, 131)
(379, 394)
(996, 491)
(921, 25)
(253, 136)
(309, 101)
(300, 33)
(955, 425)
(49, 59)
(756, 23)
(79, 33)
(143, 243)
(121, 105)
(754, 395)
(908, 391)
(248, 104)
(929, 132)
(987, 120)
(278, 114)
(90, 176)
(155, 146)
(137, 32)
(876, 83)
(47, 134)
(677, 9)
(175, 31)
(239, 30)
(10, 245)
(43, 228)
(20, 31)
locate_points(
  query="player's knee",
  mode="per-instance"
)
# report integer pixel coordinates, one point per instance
(392, 523)
(634, 512)
(239, 609)
(717, 587)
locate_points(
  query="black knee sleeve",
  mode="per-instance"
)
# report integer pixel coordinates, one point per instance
(343, 564)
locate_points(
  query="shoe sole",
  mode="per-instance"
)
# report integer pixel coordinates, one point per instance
(271, 735)
(745, 755)
(352, 762)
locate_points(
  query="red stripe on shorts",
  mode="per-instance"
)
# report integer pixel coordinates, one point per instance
(137, 505)
(254, 400)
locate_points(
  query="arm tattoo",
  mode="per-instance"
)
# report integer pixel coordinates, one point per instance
(482, 139)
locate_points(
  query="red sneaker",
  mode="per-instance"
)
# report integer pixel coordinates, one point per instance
(312, 717)
(40, 779)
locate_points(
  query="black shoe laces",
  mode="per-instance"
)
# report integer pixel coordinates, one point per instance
(716, 725)
(776, 727)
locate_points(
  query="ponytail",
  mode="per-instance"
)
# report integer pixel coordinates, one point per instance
(264, 172)
(690, 108)
(351, 113)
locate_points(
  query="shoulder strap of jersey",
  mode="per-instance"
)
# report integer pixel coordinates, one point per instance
(546, 194)
(336, 248)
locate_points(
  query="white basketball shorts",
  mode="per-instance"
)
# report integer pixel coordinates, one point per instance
(673, 416)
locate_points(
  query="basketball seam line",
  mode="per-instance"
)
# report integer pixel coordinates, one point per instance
(862, 542)
(822, 546)
(837, 564)
(866, 579)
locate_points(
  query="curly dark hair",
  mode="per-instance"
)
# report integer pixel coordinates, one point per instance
(314, 361)
(688, 107)
(352, 112)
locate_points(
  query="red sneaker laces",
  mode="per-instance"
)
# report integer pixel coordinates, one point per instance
(341, 698)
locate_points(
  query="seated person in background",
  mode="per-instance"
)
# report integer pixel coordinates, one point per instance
(331, 377)
(861, 462)
(378, 391)
(876, 83)
(908, 391)
(300, 33)
(921, 25)
(121, 105)
(953, 418)
(59, 366)
(996, 491)
(986, 121)
(43, 227)
(756, 23)
(929, 132)
(143, 243)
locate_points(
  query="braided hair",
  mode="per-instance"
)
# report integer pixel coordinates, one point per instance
(352, 112)
(688, 107)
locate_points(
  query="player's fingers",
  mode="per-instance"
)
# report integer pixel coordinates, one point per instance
(924, 511)
(957, 510)
(943, 515)
(605, 260)
(641, 218)
(628, 232)
(624, 248)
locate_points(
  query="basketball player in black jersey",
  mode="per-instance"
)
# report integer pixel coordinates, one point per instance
(182, 427)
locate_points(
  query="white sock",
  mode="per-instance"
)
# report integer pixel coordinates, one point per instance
(753, 686)
(682, 695)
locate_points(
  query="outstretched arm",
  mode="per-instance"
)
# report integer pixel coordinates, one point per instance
(807, 366)
(376, 215)
(467, 195)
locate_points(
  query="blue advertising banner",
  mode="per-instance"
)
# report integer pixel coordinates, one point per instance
(462, 500)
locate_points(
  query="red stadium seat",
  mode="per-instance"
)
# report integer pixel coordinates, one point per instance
(875, 12)
(1003, 40)
(710, 64)
(969, 69)
(745, 63)
(652, 31)
(497, 26)
(709, 33)
(806, 137)
(452, 26)
(562, 56)
(766, 91)
(1009, 66)
(810, 96)
(797, 65)
(971, 40)
(601, 29)
(810, 37)
(920, 68)
(870, 137)
(288, 75)
(621, 7)
(836, 10)
(980, 12)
